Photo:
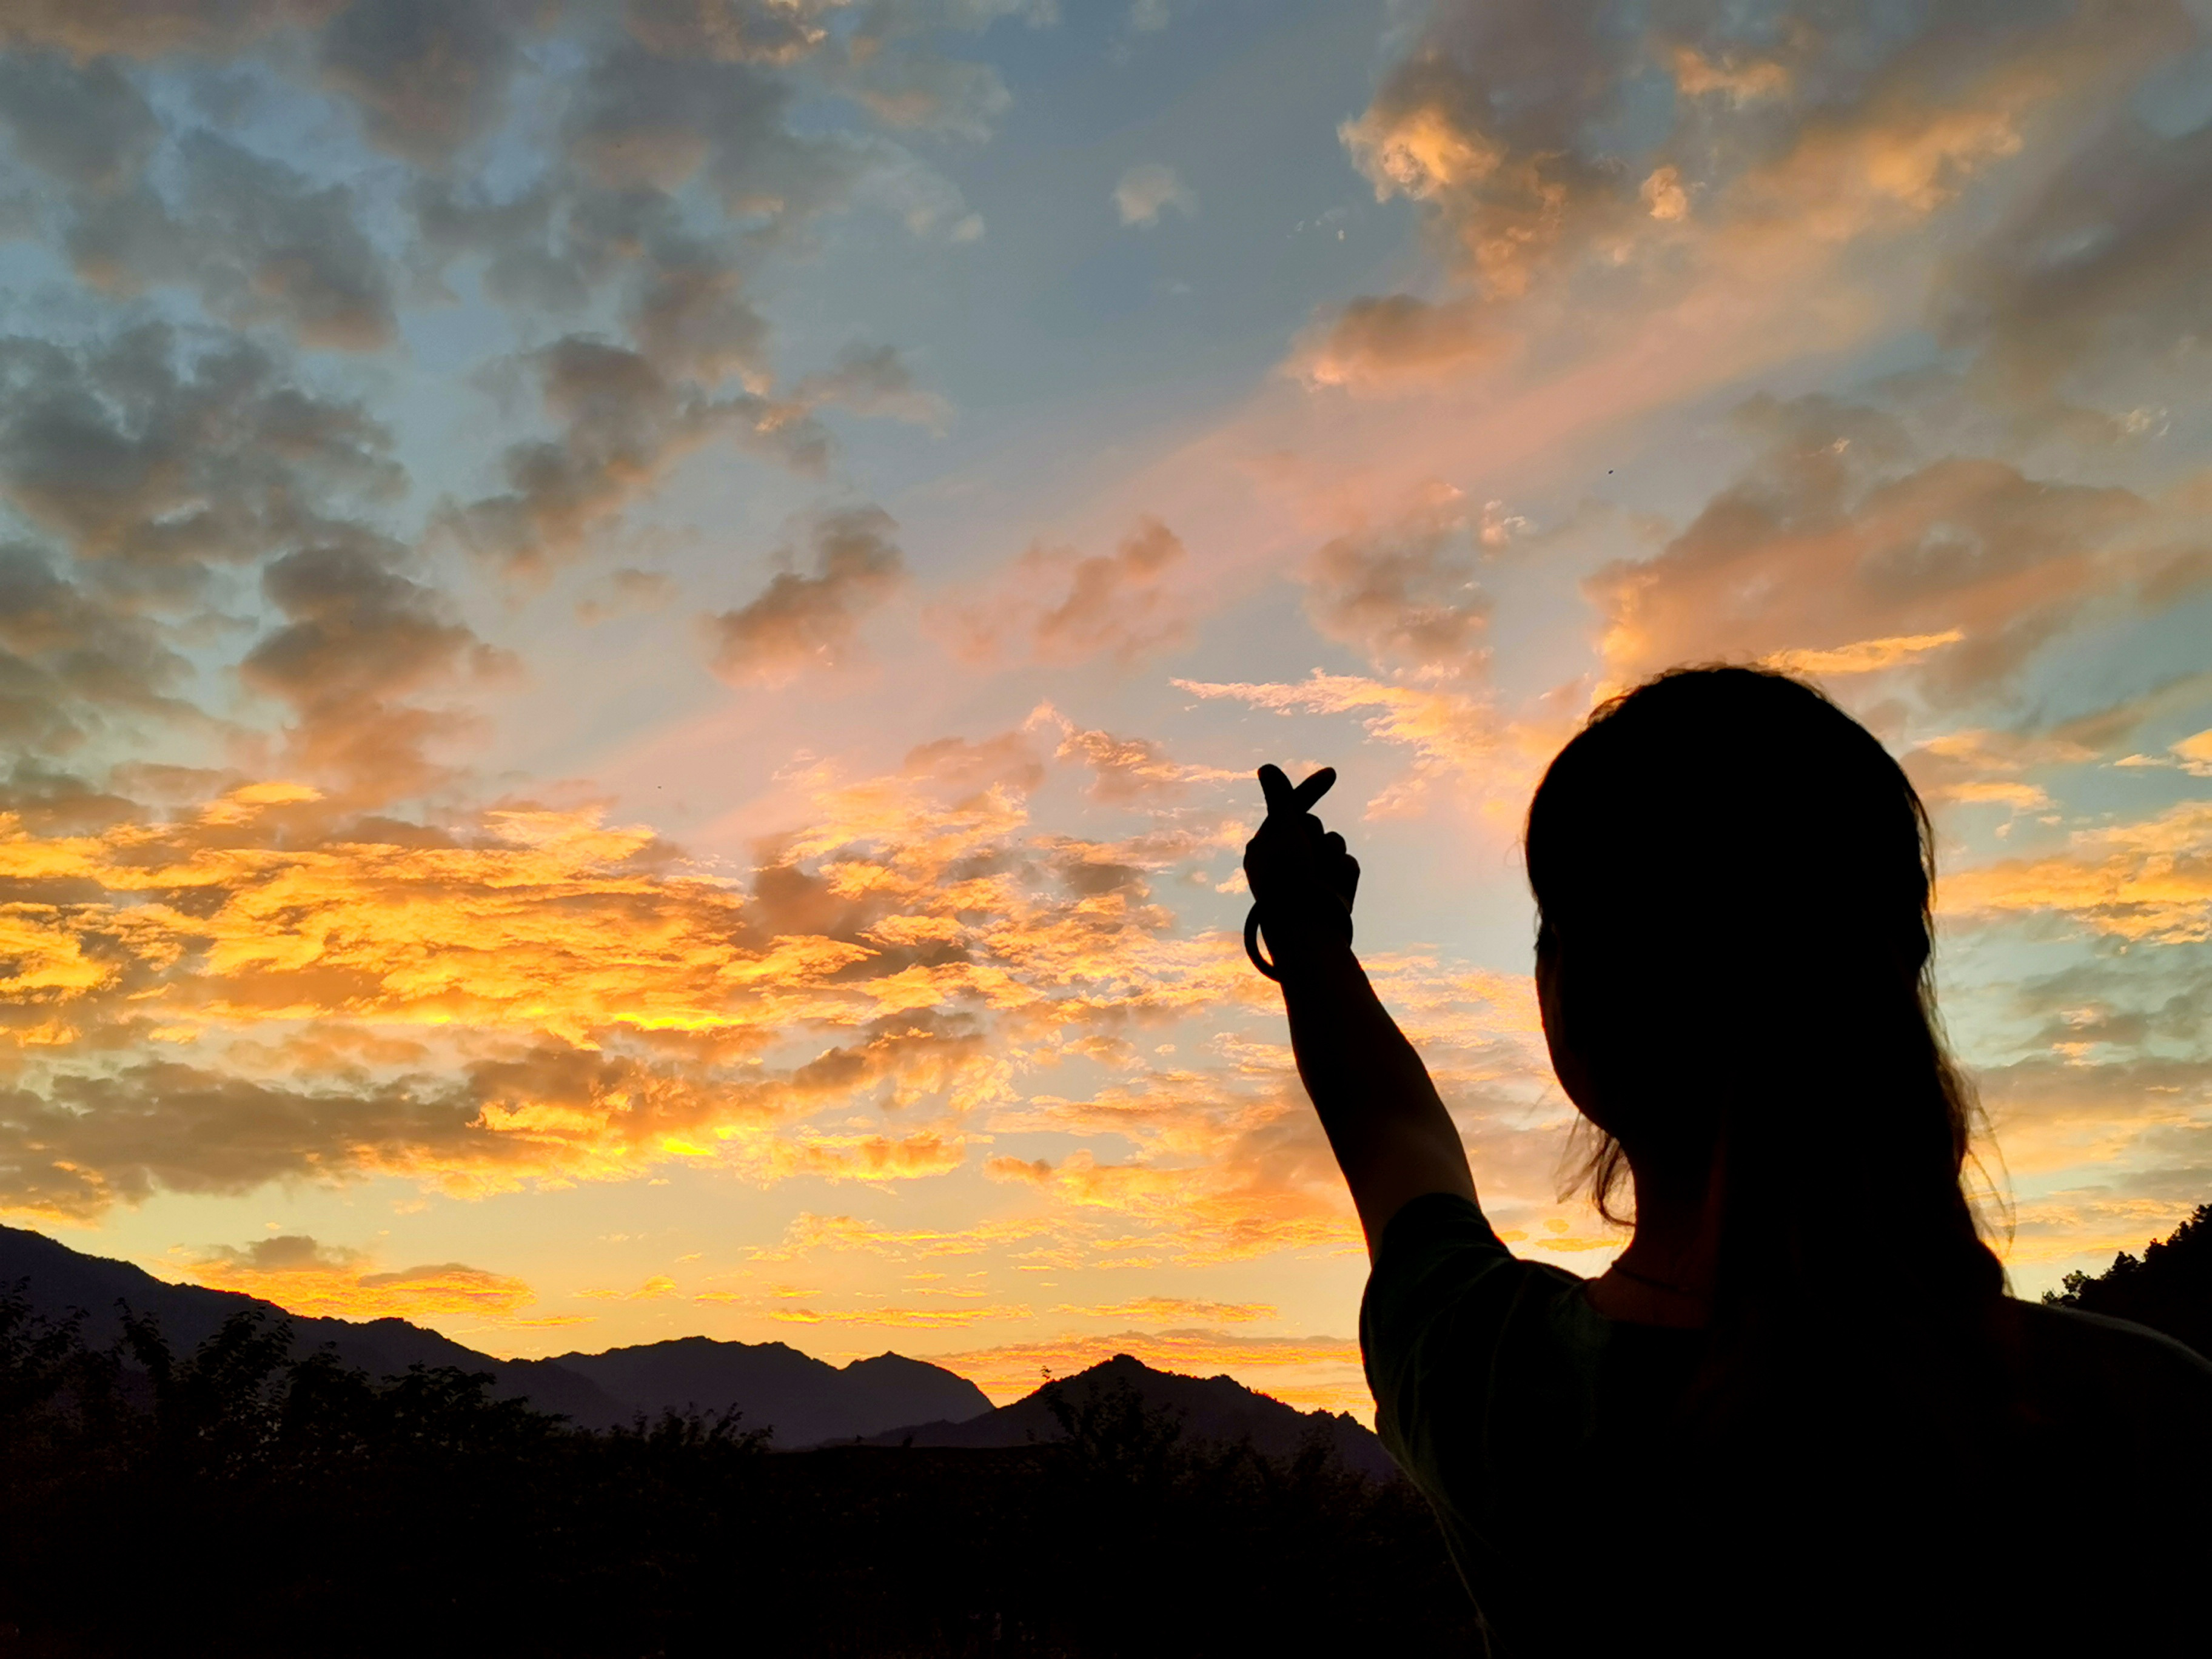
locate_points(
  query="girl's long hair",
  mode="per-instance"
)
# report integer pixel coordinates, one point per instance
(1738, 879)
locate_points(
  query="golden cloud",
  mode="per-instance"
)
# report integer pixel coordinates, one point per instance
(1157, 1308)
(659, 1288)
(921, 1319)
(2093, 1221)
(808, 1233)
(2149, 881)
(1203, 1213)
(320, 1282)
(260, 988)
(1863, 656)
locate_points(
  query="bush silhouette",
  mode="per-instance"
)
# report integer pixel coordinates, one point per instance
(2168, 1287)
(235, 1500)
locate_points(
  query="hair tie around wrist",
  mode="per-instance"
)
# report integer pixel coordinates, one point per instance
(1252, 944)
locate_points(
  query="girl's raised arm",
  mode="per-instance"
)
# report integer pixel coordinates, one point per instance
(1391, 1135)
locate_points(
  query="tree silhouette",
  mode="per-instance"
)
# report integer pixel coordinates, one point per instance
(2168, 1287)
(235, 1500)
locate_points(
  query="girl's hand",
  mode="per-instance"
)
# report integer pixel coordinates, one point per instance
(1302, 878)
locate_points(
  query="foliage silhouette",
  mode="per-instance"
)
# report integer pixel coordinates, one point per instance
(2168, 1288)
(235, 1501)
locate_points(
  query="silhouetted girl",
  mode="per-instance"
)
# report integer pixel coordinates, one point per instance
(1800, 1413)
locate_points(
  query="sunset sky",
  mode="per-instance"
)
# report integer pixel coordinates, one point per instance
(633, 636)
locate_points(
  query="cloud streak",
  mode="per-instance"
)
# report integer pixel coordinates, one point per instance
(322, 1281)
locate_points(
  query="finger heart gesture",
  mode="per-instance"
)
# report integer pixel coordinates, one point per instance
(1300, 874)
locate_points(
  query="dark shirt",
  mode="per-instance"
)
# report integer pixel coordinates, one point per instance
(1586, 1514)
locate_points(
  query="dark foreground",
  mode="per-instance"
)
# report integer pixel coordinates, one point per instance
(233, 1501)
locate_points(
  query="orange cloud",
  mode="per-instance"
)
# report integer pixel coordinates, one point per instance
(1053, 605)
(659, 1288)
(863, 1157)
(532, 994)
(2151, 880)
(1488, 122)
(1205, 1213)
(1834, 554)
(322, 1282)
(2058, 1115)
(921, 1319)
(808, 1233)
(1394, 339)
(1863, 656)
(1128, 771)
(1155, 1308)
(2092, 1223)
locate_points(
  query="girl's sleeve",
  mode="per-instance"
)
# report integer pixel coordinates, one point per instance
(1437, 1300)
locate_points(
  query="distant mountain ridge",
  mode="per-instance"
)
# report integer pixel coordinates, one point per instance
(808, 1400)
(804, 1399)
(1216, 1409)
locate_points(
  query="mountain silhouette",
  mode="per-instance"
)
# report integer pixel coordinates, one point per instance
(806, 1401)
(1218, 1410)
(809, 1400)
(59, 1279)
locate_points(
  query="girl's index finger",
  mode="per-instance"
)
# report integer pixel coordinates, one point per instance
(1282, 800)
(1313, 789)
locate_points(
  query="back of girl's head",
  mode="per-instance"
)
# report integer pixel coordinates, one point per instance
(1733, 879)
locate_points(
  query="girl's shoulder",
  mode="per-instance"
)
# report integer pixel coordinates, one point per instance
(2111, 1375)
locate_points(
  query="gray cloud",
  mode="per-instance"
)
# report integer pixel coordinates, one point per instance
(525, 265)
(152, 28)
(428, 75)
(690, 319)
(85, 124)
(903, 85)
(96, 1140)
(285, 1253)
(626, 590)
(172, 450)
(728, 31)
(258, 239)
(623, 425)
(159, 459)
(873, 380)
(940, 95)
(642, 127)
(798, 622)
(105, 1139)
(1116, 604)
(69, 663)
(358, 641)
(642, 121)
(2099, 273)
